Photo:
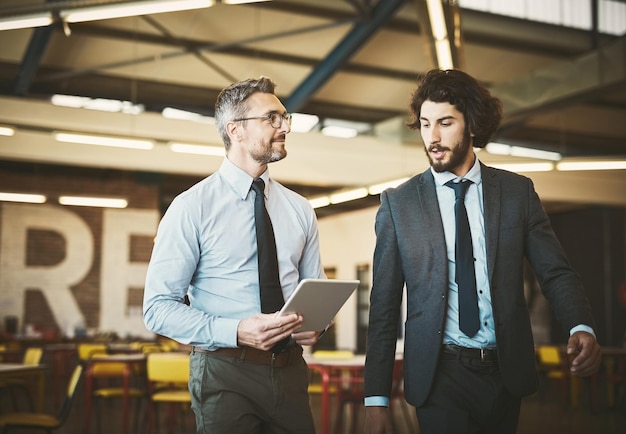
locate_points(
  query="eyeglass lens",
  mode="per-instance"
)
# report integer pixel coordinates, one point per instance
(276, 119)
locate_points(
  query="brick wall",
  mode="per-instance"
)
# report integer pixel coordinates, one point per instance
(47, 248)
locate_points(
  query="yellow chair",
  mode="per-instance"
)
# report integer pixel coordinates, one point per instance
(554, 368)
(103, 381)
(32, 356)
(43, 421)
(168, 382)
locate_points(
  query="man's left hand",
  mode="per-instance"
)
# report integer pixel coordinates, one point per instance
(584, 354)
(306, 338)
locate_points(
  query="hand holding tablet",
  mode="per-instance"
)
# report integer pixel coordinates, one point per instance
(318, 301)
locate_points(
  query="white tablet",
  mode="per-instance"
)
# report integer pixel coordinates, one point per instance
(318, 301)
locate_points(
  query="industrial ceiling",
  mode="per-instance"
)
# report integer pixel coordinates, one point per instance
(563, 89)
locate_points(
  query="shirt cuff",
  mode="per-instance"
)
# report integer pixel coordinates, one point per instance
(376, 401)
(583, 328)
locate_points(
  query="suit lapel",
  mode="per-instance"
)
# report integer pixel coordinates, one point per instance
(431, 214)
(491, 201)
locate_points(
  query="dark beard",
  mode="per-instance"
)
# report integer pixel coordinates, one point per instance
(457, 157)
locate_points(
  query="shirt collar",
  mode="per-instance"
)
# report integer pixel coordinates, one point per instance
(240, 180)
(473, 175)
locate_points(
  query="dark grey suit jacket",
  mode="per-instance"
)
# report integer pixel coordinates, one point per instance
(411, 250)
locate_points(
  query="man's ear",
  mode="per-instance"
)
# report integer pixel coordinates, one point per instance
(232, 129)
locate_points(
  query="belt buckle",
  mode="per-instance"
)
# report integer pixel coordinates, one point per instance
(483, 354)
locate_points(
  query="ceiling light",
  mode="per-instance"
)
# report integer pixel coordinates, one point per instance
(444, 55)
(341, 132)
(69, 100)
(129, 9)
(379, 188)
(319, 202)
(525, 167)
(521, 151)
(174, 113)
(440, 34)
(303, 123)
(22, 197)
(592, 165)
(26, 21)
(104, 202)
(187, 148)
(239, 2)
(100, 104)
(437, 20)
(87, 139)
(348, 195)
(7, 131)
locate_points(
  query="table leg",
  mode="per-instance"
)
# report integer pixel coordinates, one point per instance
(325, 376)
(88, 397)
(126, 398)
(41, 386)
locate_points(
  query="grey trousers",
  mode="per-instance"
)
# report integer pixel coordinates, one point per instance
(230, 396)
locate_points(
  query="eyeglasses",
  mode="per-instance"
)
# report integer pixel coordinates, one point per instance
(276, 119)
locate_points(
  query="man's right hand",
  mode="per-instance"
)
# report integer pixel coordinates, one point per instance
(263, 330)
(378, 420)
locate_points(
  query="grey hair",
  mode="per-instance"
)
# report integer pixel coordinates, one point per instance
(231, 102)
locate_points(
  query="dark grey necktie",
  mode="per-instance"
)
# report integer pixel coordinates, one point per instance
(469, 322)
(269, 281)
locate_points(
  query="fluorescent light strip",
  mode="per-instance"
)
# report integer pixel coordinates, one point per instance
(22, 197)
(319, 202)
(117, 142)
(7, 131)
(303, 123)
(521, 151)
(174, 113)
(525, 167)
(239, 2)
(26, 21)
(187, 148)
(103, 202)
(379, 188)
(591, 165)
(440, 34)
(108, 11)
(346, 196)
(437, 20)
(341, 132)
(100, 104)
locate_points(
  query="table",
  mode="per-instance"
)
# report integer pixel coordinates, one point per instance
(345, 371)
(613, 372)
(335, 370)
(28, 372)
(129, 361)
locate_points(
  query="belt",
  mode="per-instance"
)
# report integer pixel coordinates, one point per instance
(252, 355)
(482, 354)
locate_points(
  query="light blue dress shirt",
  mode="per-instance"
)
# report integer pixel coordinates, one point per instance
(485, 337)
(206, 248)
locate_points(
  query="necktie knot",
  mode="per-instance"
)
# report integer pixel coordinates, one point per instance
(460, 188)
(258, 185)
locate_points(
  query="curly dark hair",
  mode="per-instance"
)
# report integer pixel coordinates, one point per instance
(482, 111)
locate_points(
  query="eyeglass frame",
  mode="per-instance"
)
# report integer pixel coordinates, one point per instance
(286, 117)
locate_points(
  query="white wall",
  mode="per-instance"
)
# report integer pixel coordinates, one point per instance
(347, 240)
